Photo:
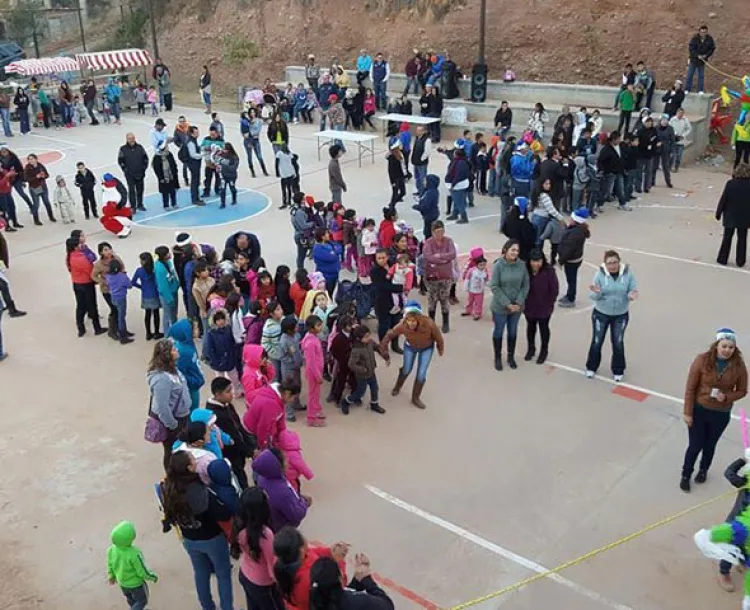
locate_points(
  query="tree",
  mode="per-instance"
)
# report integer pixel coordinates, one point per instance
(24, 24)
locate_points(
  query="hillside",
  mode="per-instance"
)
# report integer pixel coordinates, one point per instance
(583, 41)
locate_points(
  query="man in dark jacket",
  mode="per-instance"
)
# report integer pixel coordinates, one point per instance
(610, 164)
(700, 49)
(244, 242)
(429, 204)
(382, 292)
(89, 100)
(648, 151)
(413, 66)
(554, 169)
(667, 139)
(673, 99)
(133, 161)
(734, 212)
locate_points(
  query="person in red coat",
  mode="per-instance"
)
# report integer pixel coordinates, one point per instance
(265, 414)
(116, 215)
(80, 267)
(387, 229)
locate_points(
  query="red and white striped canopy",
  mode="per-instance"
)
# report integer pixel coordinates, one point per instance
(113, 60)
(43, 65)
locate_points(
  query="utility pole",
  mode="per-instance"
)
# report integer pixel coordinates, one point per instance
(35, 34)
(80, 24)
(152, 18)
(482, 28)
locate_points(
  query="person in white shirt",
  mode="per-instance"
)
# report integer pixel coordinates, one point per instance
(682, 131)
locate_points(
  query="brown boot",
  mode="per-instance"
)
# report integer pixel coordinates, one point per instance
(416, 392)
(399, 383)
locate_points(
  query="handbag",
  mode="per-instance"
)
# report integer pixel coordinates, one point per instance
(155, 431)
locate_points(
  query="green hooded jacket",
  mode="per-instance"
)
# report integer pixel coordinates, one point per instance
(125, 562)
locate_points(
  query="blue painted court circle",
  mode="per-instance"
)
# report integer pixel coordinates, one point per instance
(249, 203)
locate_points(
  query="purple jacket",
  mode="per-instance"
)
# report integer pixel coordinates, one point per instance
(119, 284)
(543, 290)
(287, 507)
(253, 329)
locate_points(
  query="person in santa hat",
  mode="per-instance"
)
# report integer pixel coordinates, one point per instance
(116, 213)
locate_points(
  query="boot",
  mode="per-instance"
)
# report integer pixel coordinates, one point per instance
(14, 312)
(123, 338)
(113, 333)
(81, 331)
(263, 168)
(416, 392)
(128, 333)
(497, 347)
(98, 329)
(542, 355)
(252, 171)
(431, 313)
(446, 322)
(376, 408)
(512, 353)
(51, 217)
(530, 353)
(395, 348)
(399, 383)
(37, 222)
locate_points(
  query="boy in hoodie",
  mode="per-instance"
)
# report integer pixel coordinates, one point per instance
(362, 364)
(127, 568)
(243, 444)
(429, 204)
(219, 347)
(291, 359)
(181, 332)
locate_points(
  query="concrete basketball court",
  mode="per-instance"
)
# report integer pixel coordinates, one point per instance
(504, 475)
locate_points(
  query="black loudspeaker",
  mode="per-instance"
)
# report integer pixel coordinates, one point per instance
(479, 83)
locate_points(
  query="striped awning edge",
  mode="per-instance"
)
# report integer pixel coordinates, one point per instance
(43, 65)
(115, 60)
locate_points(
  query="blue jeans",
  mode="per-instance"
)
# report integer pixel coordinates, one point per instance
(42, 196)
(302, 249)
(340, 142)
(459, 203)
(359, 391)
(122, 307)
(600, 323)
(209, 556)
(613, 183)
(206, 98)
(252, 146)
(137, 597)
(116, 110)
(692, 69)
(322, 124)
(23, 119)
(571, 276)
(170, 314)
(540, 223)
(577, 198)
(628, 183)
(422, 357)
(678, 150)
(502, 320)
(381, 100)
(5, 114)
(420, 173)
(412, 82)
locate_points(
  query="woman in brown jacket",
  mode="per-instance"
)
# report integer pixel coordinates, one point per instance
(717, 379)
(422, 337)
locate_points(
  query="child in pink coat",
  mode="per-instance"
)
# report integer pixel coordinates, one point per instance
(258, 371)
(295, 462)
(313, 352)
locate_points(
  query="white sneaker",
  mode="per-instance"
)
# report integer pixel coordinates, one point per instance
(617, 378)
(590, 374)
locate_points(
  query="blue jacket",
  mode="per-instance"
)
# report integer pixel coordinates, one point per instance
(585, 148)
(612, 298)
(182, 333)
(218, 437)
(324, 92)
(429, 202)
(167, 282)
(113, 92)
(300, 98)
(219, 347)
(437, 67)
(221, 484)
(405, 139)
(119, 284)
(379, 71)
(522, 166)
(327, 260)
(364, 63)
(146, 282)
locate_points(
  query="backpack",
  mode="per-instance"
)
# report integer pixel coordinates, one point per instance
(183, 154)
(356, 293)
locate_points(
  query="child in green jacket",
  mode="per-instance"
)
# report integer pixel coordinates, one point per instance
(127, 568)
(626, 101)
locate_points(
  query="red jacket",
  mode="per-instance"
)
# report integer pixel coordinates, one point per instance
(80, 268)
(386, 233)
(298, 295)
(265, 416)
(301, 591)
(6, 181)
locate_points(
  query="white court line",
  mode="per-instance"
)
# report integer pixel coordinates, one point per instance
(660, 206)
(668, 397)
(68, 142)
(494, 548)
(575, 311)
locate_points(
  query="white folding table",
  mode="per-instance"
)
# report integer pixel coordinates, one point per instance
(412, 119)
(365, 141)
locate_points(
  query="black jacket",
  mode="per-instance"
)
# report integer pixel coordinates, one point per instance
(228, 421)
(629, 157)
(673, 101)
(609, 161)
(732, 475)
(383, 289)
(395, 169)
(666, 137)
(252, 251)
(504, 117)
(705, 47)
(734, 206)
(158, 167)
(521, 230)
(273, 127)
(571, 245)
(133, 161)
(417, 150)
(365, 594)
(647, 140)
(86, 181)
(556, 172)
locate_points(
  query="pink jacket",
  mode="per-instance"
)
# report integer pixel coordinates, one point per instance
(254, 377)
(369, 104)
(252, 278)
(295, 462)
(265, 416)
(313, 352)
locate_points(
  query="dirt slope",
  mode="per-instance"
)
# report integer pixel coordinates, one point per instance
(555, 40)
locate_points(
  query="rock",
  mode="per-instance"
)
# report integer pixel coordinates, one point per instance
(712, 15)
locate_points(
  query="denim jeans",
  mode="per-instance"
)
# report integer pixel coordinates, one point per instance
(252, 146)
(577, 199)
(501, 320)
(628, 183)
(381, 100)
(600, 322)
(340, 142)
(459, 203)
(122, 307)
(194, 165)
(422, 357)
(692, 70)
(571, 276)
(23, 119)
(209, 556)
(116, 110)
(170, 314)
(362, 385)
(67, 113)
(302, 249)
(540, 223)
(322, 124)
(412, 82)
(678, 150)
(137, 597)
(703, 436)
(5, 114)
(613, 183)
(226, 184)
(44, 197)
(647, 167)
(420, 173)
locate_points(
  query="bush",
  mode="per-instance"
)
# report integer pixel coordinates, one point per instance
(238, 49)
(129, 32)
